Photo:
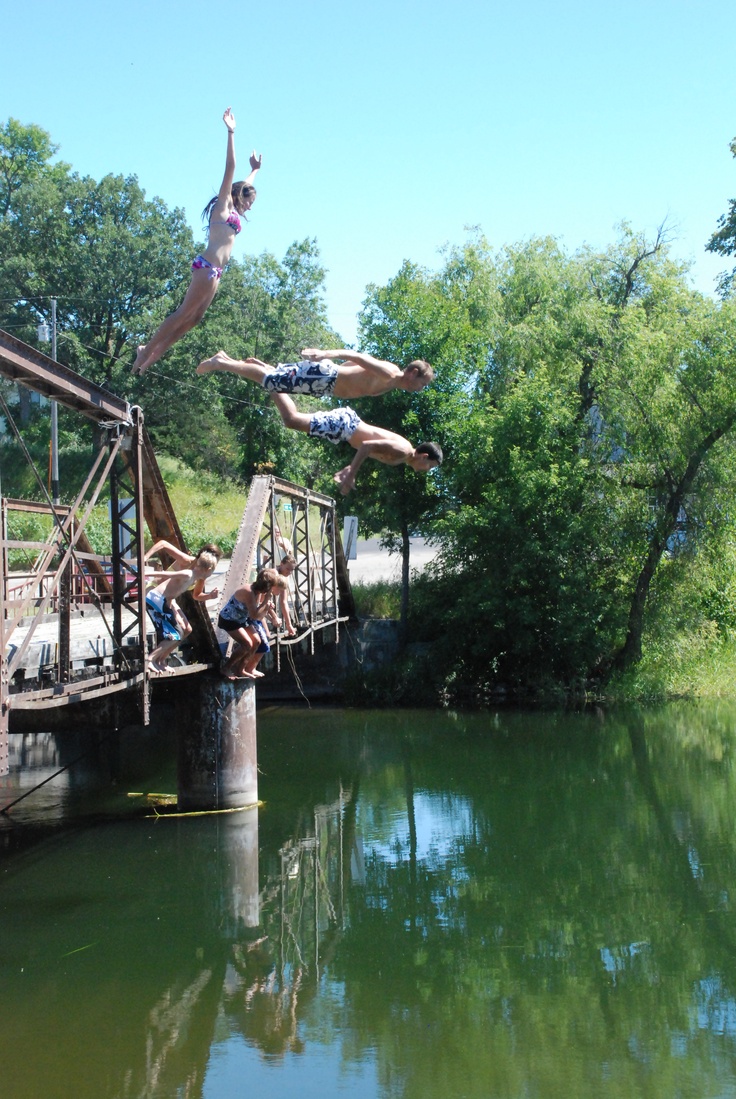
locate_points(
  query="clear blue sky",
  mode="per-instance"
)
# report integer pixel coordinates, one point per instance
(387, 128)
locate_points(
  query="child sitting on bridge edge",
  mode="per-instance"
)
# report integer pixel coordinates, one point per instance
(172, 625)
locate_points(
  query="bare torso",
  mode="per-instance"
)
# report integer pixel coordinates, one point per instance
(356, 381)
(220, 240)
(393, 449)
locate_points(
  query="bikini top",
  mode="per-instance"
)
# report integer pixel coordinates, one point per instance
(233, 220)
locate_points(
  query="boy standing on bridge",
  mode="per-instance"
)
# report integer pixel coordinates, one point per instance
(317, 376)
(172, 625)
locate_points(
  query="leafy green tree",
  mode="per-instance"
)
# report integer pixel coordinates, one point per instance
(601, 419)
(723, 241)
(24, 155)
(418, 315)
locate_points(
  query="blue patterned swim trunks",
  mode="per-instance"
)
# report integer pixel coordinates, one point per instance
(336, 425)
(162, 617)
(315, 379)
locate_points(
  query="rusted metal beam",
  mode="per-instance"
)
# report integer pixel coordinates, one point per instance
(162, 523)
(299, 493)
(110, 683)
(25, 364)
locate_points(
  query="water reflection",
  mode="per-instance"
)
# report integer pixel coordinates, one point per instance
(427, 905)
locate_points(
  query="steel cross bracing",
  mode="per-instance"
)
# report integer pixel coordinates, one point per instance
(280, 518)
(68, 586)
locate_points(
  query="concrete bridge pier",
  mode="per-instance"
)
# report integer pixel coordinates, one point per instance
(218, 759)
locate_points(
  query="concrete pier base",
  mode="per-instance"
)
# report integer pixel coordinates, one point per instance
(217, 759)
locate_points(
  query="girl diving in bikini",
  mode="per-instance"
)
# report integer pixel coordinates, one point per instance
(223, 214)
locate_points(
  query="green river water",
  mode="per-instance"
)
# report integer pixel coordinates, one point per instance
(468, 906)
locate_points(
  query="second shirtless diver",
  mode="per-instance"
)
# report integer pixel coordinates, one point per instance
(343, 425)
(317, 375)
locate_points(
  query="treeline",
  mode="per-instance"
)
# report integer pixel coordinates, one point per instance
(585, 403)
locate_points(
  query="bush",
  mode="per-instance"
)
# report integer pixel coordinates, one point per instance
(380, 599)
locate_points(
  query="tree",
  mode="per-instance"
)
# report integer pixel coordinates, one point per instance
(723, 241)
(418, 315)
(600, 421)
(24, 155)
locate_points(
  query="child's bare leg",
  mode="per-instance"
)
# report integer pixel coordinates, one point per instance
(196, 301)
(250, 665)
(252, 369)
(231, 669)
(159, 656)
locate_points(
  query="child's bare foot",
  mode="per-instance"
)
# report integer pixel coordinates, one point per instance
(258, 675)
(216, 362)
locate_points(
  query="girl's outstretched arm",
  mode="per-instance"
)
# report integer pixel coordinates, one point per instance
(227, 180)
(255, 165)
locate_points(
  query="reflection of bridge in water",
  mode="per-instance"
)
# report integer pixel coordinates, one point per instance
(73, 628)
(192, 940)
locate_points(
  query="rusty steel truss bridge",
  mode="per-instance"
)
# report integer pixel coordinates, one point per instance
(73, 627)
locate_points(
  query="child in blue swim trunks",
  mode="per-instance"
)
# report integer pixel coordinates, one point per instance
(359, 375)
(172, 625)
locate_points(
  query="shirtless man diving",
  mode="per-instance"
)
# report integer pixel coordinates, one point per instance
(316, 375)
(343, 425)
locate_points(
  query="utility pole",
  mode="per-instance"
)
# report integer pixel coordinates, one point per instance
(43, 334)
(54, 417)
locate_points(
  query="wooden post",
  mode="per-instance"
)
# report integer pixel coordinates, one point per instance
(216, 725)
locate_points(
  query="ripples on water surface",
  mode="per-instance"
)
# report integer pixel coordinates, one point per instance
(427, 905)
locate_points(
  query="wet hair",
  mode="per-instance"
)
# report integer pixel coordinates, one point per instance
(281, 582)
(421, 368)
(432, 450)
(288, 559)
(241, 189)
(210, 547)
(265, 580)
